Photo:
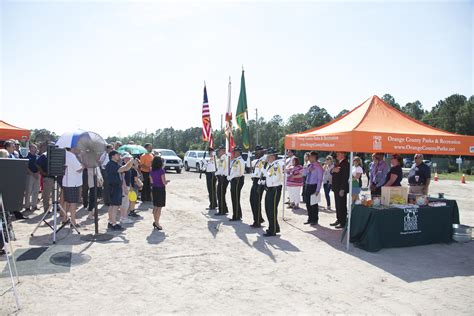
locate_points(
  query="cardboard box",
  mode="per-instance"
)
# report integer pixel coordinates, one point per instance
(394, 195)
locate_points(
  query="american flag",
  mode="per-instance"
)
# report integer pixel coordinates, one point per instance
(206, 121)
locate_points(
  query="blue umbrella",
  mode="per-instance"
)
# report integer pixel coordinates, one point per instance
(70, 139)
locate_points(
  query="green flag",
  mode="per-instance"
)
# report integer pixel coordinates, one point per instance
(241, 116)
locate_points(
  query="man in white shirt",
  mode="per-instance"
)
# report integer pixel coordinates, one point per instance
(72, 183)
(256, 192)
(236, 178)
(222, 183)
(274, 183)
(210, 167)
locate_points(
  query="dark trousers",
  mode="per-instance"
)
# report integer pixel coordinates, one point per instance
(85, 189)
(327, 190)
(341, 207)
(256, 193)
(313, 210)
(146, 190)
(236, 185)
(211, 189)
(222, 184)
(272, 199)
(376, 192)
(105, 191)
(92, 198)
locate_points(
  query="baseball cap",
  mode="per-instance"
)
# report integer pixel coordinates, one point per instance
(113, 153)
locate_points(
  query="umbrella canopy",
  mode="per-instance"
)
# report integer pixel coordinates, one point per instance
(8, 131)
(70, 139)
(132, 149)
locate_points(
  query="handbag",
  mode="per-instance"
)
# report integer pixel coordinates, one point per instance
(132, 196)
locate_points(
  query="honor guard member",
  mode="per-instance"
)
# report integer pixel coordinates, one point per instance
(256, 192)
(211, 180)
(222, 183)
(274, 182)
(236, 178)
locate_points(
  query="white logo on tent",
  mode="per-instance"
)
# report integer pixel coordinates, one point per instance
(471, 149)
(377, 143)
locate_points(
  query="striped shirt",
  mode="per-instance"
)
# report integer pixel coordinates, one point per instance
(292, 172)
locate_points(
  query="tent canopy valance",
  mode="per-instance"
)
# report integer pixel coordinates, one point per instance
(375, 126)
(8, 131)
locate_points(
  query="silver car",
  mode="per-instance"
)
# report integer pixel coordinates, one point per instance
(194, 159)
(170, 159)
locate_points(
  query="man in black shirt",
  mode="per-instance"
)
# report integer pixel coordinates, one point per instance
(340, 186)
(419, 176)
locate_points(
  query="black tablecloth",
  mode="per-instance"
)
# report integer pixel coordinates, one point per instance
(373, 229)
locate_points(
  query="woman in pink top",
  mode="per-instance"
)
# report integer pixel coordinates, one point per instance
(294, 182)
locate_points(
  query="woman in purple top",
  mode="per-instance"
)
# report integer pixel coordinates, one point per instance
(159, 182)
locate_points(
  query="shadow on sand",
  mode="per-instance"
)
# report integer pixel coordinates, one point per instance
(410, 264)
(263, 244)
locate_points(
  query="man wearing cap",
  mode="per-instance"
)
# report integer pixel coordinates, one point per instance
(221, 173)
(273, 182)
(419, 176)
(210, 168)
(113, 171)
(256, 192)
(236, 178)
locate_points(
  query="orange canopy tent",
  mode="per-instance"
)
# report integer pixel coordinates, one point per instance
(8, 131)
(375, 126)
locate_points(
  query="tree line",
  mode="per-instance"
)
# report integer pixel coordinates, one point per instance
(453, 114)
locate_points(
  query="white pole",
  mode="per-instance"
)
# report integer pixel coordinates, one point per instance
(12, 254)
(349, 202)
(284, 187)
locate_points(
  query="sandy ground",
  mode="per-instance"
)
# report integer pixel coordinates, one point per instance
(203, 264)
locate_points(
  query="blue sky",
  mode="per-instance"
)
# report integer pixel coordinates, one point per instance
(117, 67)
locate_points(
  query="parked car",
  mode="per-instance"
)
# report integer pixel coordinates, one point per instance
(193, 159)
(407, 162)
(170, 159)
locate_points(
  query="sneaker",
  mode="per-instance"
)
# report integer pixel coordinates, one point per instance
(126, 220)
(110, 226)
(133, 214)
(117, 227)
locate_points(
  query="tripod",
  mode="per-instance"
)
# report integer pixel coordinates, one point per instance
(11, 254)
(54, 207)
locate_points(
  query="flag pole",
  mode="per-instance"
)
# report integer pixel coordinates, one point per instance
(230, 126)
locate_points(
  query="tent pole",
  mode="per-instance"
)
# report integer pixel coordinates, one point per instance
(284, 187)
(349, 202)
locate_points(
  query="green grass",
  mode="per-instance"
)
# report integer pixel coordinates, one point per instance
(452, 176)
